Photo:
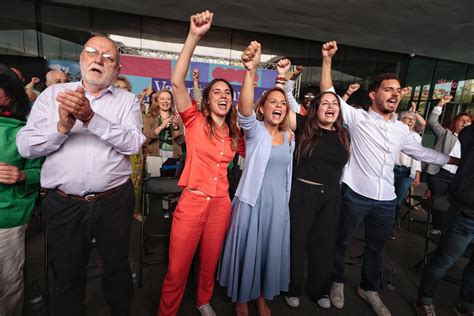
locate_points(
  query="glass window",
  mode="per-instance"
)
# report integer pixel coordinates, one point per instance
(17, 29)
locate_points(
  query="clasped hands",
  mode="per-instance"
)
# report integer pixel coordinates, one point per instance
(73, 106)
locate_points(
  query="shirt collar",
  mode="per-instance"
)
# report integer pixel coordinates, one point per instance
(375, 115)
(110, 89)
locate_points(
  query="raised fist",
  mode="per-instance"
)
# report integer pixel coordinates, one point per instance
(329, 49)
(353, 88)
(283, 66)
(200, 23)
(196, 74)
(251, 55)
(445, 99)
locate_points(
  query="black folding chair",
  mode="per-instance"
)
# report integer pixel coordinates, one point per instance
(415, 202)
(439, 203)
(166, 191)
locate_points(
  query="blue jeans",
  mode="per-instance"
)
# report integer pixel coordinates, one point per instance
(402, 184)
(378, 217)
(456, 237)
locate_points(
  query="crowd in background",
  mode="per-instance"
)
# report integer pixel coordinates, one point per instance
(312, 172)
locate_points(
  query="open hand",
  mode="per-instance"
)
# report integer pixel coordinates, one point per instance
(76, 103)
(164, 124)
(174, 122)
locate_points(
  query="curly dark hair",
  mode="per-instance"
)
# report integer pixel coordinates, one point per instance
(378, 80)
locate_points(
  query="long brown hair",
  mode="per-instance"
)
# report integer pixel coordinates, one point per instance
(230, 118)
(283, 126)
(311, 132)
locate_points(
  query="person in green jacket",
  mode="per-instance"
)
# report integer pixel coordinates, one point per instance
(19, 186)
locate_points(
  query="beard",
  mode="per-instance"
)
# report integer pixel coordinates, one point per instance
(387, 110)
(99, 81)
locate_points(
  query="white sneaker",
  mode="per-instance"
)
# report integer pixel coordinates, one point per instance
(337, 295)
(324, 302)
(206, 310)
(292, 301)
(373, 298)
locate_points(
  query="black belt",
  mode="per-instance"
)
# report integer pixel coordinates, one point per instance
(91, 197)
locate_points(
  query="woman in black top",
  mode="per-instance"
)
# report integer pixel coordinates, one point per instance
(322, 150)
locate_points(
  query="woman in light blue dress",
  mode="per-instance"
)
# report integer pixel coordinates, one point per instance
(255, 262)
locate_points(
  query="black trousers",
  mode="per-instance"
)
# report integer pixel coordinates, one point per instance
(314, 218)
(71, 225)
(439, 184)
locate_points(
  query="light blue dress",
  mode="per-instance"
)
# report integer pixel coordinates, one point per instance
(256, 255)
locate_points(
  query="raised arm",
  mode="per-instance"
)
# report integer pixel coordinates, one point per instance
(251, 60)
(288, 86)
(421, 123)
(328, 51)
(350, 90)
(199, 25)
(196, 87)
(433, 122)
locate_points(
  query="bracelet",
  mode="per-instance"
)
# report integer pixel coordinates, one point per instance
(348, 94)
(281, 78)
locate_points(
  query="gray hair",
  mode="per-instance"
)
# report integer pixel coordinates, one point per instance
(407, 114)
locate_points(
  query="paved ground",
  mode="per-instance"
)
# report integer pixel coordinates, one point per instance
(401, 254)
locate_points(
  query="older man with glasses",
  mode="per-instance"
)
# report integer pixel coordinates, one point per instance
(87, 130)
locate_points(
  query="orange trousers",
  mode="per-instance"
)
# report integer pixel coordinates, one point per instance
(197, 220)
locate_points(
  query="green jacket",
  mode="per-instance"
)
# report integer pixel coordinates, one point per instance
(17, 200)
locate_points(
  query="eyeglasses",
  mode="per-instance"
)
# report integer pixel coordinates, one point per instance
(307, 96)
(92, 53)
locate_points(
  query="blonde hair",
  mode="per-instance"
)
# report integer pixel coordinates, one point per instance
(127, 82)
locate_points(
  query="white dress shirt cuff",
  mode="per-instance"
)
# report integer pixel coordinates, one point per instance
(98, 124)
(442, 159)
(54, 136)
(438, 110)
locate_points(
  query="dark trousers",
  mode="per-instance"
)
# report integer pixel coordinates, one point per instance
(71, 225)
(456, 237)
(402, 185)
(378, 217)
(439, 184)
(314, 216)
